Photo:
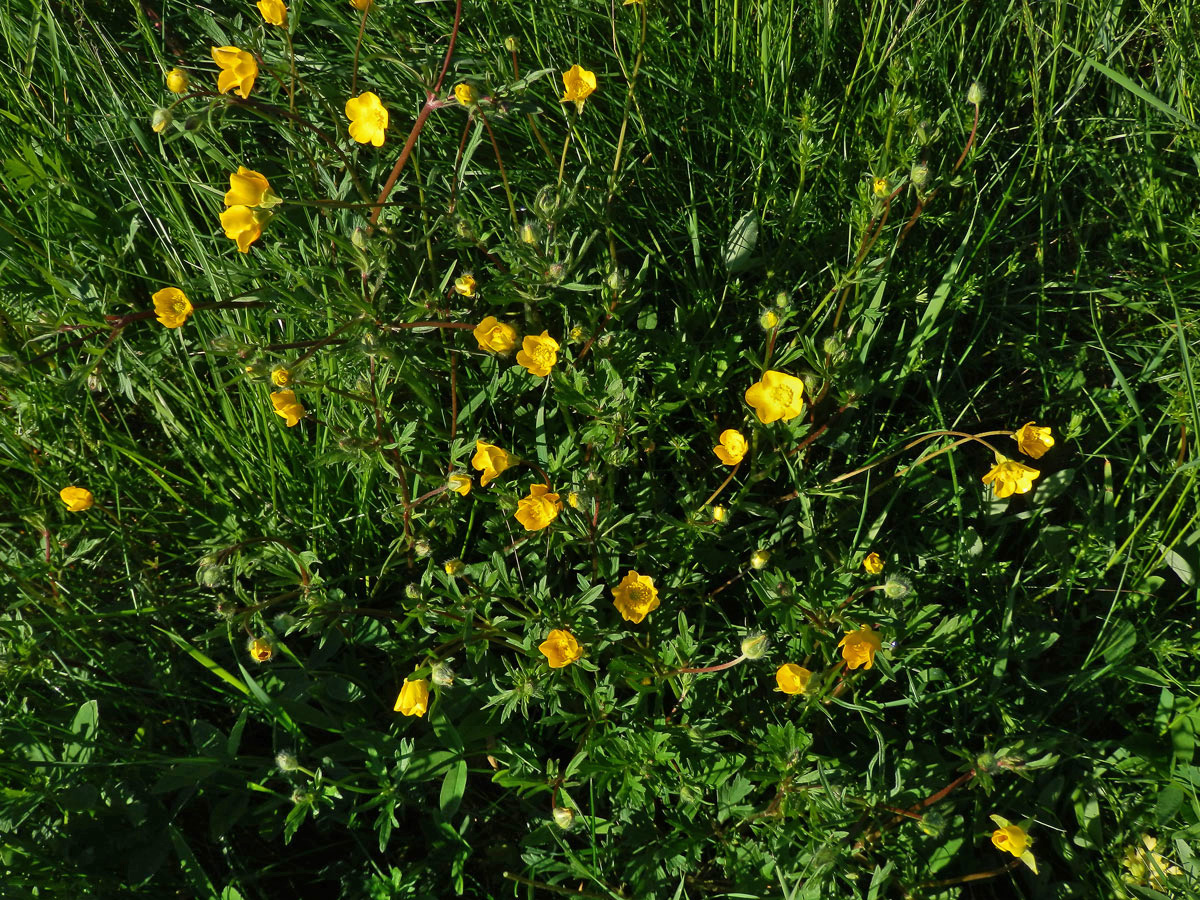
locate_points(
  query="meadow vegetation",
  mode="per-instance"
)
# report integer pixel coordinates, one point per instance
(645, 450)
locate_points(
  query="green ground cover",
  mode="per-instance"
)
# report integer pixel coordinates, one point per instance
(281, 641)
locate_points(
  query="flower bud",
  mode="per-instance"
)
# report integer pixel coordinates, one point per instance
(455, 567)
(528, 234)
(442, 675)
(564, 817)
(177, 81)
(556, 273)
(896, 586)
(616, 280)
(782, 299)
(769, 320)
(879, 187)
(511, 44)
(412, 591)
(919, 176)
(754, 646)
(464, 230)
(975, 93)
(160, 120)
(422, 547)
(286, 761)
(545, 204)
(302, 797)
(759, 559)
(573, 500)
(720, 513)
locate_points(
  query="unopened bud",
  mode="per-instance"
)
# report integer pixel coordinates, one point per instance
(422, 547)
(564, 817)
(759, 559)
(442, 675)
(919, 176)
(528, 234)
(754, 646)
(177, 81)
(975, 93)
(455, 567)
(511, 44)
(897, 586)
(160, 120)
(286, 761)
(769, 320)
(720, 513)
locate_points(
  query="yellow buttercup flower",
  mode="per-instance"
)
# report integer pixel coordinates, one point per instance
(1011, 839)
(720, 513)
(77, 499)
(732, 448)
(261, 650)
(635, 597)
(1146, 866)
(573, 500)
(880, 187)
(249, 188)
(578, 85)
(241, 224)
(414, 698)
(759, 559)
(460, 484)
(538, 354)
(464, 94)
(171, 307)
(368, 118)
(465, 285)
(1008, 477)
(1032, 440)
(454, 567)
(793, 679)
(287, 406)
(177, 81)
(281, 377)
(539, 509)
(560, 648)
(873, 564)
(361, 5)
(769, 320)
(490, 460)
(495, 336)
(777, 396)
(238, 69)
(859, 647)
(273, 11)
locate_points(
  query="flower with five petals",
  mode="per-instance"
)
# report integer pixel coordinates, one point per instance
(171, 307)
(1032, 440)
(578, 85)
(238, 69)
(77, 499)
(539, 509)
(635, 597)
(368, 118)
(242, 224)
(859, 647)
(777, 396)
(732, 447)
(460, 484)
(1008, 477)
(793, 679)
(873, 563)
(273, 11)
(560, 648)
(490, 460)
(495, 336)
(538, 354)
(249, 188)
(287, 406)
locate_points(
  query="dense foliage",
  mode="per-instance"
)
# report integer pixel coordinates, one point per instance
(280, 640)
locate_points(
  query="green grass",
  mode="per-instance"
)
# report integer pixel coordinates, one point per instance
(1040, 665)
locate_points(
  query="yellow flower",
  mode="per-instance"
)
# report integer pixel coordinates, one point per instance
(573, 500)
(880, 187)
(720, 513)
(261, 650)
(287, 406)
(249, 188)
(859, 647)
(1146, 866)
(464, 94)
(635, 597)
(465, 285)
(1032, 440)
(361, 5)
(873, 564)
(777, 396)
(769, 320)
(793, 679)
(539, 509)
(538, 354)
(578, 84)
(454, 567)
(732, 447)
(1009, 477)
(1011, 839)
(490, 460)
(460, 484)
(560, 648)
(177, 81)
(495, 336)
(368, 118)
(171, 307)
(241, 224)
(414, 698)
(238, 69)
(281, 377)
(77, 499)
(273, 11)
(759, 559)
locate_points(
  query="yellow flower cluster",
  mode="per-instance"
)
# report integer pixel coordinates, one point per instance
(1007, 476)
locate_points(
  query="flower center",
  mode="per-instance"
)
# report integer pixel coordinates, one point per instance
(178, 307)
(638, 595)
(542, 356)
(782, 395)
